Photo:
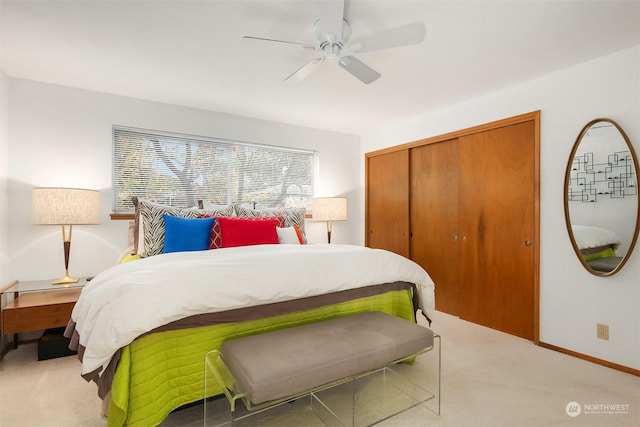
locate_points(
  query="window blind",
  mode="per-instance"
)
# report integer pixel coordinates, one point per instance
(178, 170)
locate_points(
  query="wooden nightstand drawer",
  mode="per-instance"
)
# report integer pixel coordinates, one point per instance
(39, 310)
(36, 318)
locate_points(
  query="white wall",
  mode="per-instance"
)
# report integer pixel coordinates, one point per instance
(4, 177)
(572, 301)
(61, 136)
(4, 205)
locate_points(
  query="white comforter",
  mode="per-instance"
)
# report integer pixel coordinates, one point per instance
(128, 300)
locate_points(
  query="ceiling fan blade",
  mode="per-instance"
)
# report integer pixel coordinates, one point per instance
(359, 69)
(304, 46)
(331, 16)
(302, 72)
(394, 37)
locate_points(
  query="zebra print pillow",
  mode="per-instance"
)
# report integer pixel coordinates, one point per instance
(292, 216)
(152, 216)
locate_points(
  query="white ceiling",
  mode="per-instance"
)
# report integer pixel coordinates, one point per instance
(191, 53)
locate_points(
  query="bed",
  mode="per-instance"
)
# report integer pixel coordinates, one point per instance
(142, 328)
(597, 247)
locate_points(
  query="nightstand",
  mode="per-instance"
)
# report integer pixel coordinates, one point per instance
(36, 305)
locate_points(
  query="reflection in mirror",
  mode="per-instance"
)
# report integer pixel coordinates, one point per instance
(601, 198)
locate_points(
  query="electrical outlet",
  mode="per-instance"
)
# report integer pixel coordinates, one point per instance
(602, 331)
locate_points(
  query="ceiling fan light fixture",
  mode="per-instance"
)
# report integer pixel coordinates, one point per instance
(331, 50)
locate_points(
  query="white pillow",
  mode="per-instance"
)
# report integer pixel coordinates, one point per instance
(287, 236)
(592, 237)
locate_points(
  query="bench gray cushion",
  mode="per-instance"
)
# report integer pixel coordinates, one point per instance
(285, 362)
(605, 264)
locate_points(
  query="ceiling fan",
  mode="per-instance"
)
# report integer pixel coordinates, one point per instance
(333, 40)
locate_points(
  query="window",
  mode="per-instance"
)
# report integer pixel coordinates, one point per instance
(179, 170)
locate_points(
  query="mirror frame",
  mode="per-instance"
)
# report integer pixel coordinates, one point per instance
(567, 218)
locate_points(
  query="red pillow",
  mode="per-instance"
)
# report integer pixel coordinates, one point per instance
(247, 231)
(299, 234)
(215, 241)
(216, 234)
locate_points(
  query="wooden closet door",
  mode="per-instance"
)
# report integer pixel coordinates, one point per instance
(388, 202)
(434, 218)
(497, 199)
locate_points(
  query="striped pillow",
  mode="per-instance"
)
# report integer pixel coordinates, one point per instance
(152, 216)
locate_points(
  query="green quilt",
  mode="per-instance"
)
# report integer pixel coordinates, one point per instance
(608, 252)
(160, 372)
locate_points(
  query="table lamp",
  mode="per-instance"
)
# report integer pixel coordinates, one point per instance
(65, 207)
(329, 209)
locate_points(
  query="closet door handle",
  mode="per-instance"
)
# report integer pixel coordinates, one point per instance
(528, 243)
(463, 238)
(454, 237)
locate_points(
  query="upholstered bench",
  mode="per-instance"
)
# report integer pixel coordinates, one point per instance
(281, 365)
(606, 264)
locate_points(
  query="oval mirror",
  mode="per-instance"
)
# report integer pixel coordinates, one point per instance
(601, 197)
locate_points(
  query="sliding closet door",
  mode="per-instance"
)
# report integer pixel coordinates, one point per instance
(387, 210)
(434, 218)
(497, 196)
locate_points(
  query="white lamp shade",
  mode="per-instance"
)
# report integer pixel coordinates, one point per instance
(65, 206)
(329, 209)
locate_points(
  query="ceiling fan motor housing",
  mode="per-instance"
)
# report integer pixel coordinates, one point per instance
(331, 44)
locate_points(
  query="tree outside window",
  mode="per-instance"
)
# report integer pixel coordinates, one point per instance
(179, 170)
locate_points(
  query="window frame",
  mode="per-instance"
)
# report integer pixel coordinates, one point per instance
(120, 212)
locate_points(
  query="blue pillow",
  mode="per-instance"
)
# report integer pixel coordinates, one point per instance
(186, 234)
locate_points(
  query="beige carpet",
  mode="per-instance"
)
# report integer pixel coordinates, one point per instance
(488, 379)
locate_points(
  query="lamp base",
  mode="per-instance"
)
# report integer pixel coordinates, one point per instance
(66, 280)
